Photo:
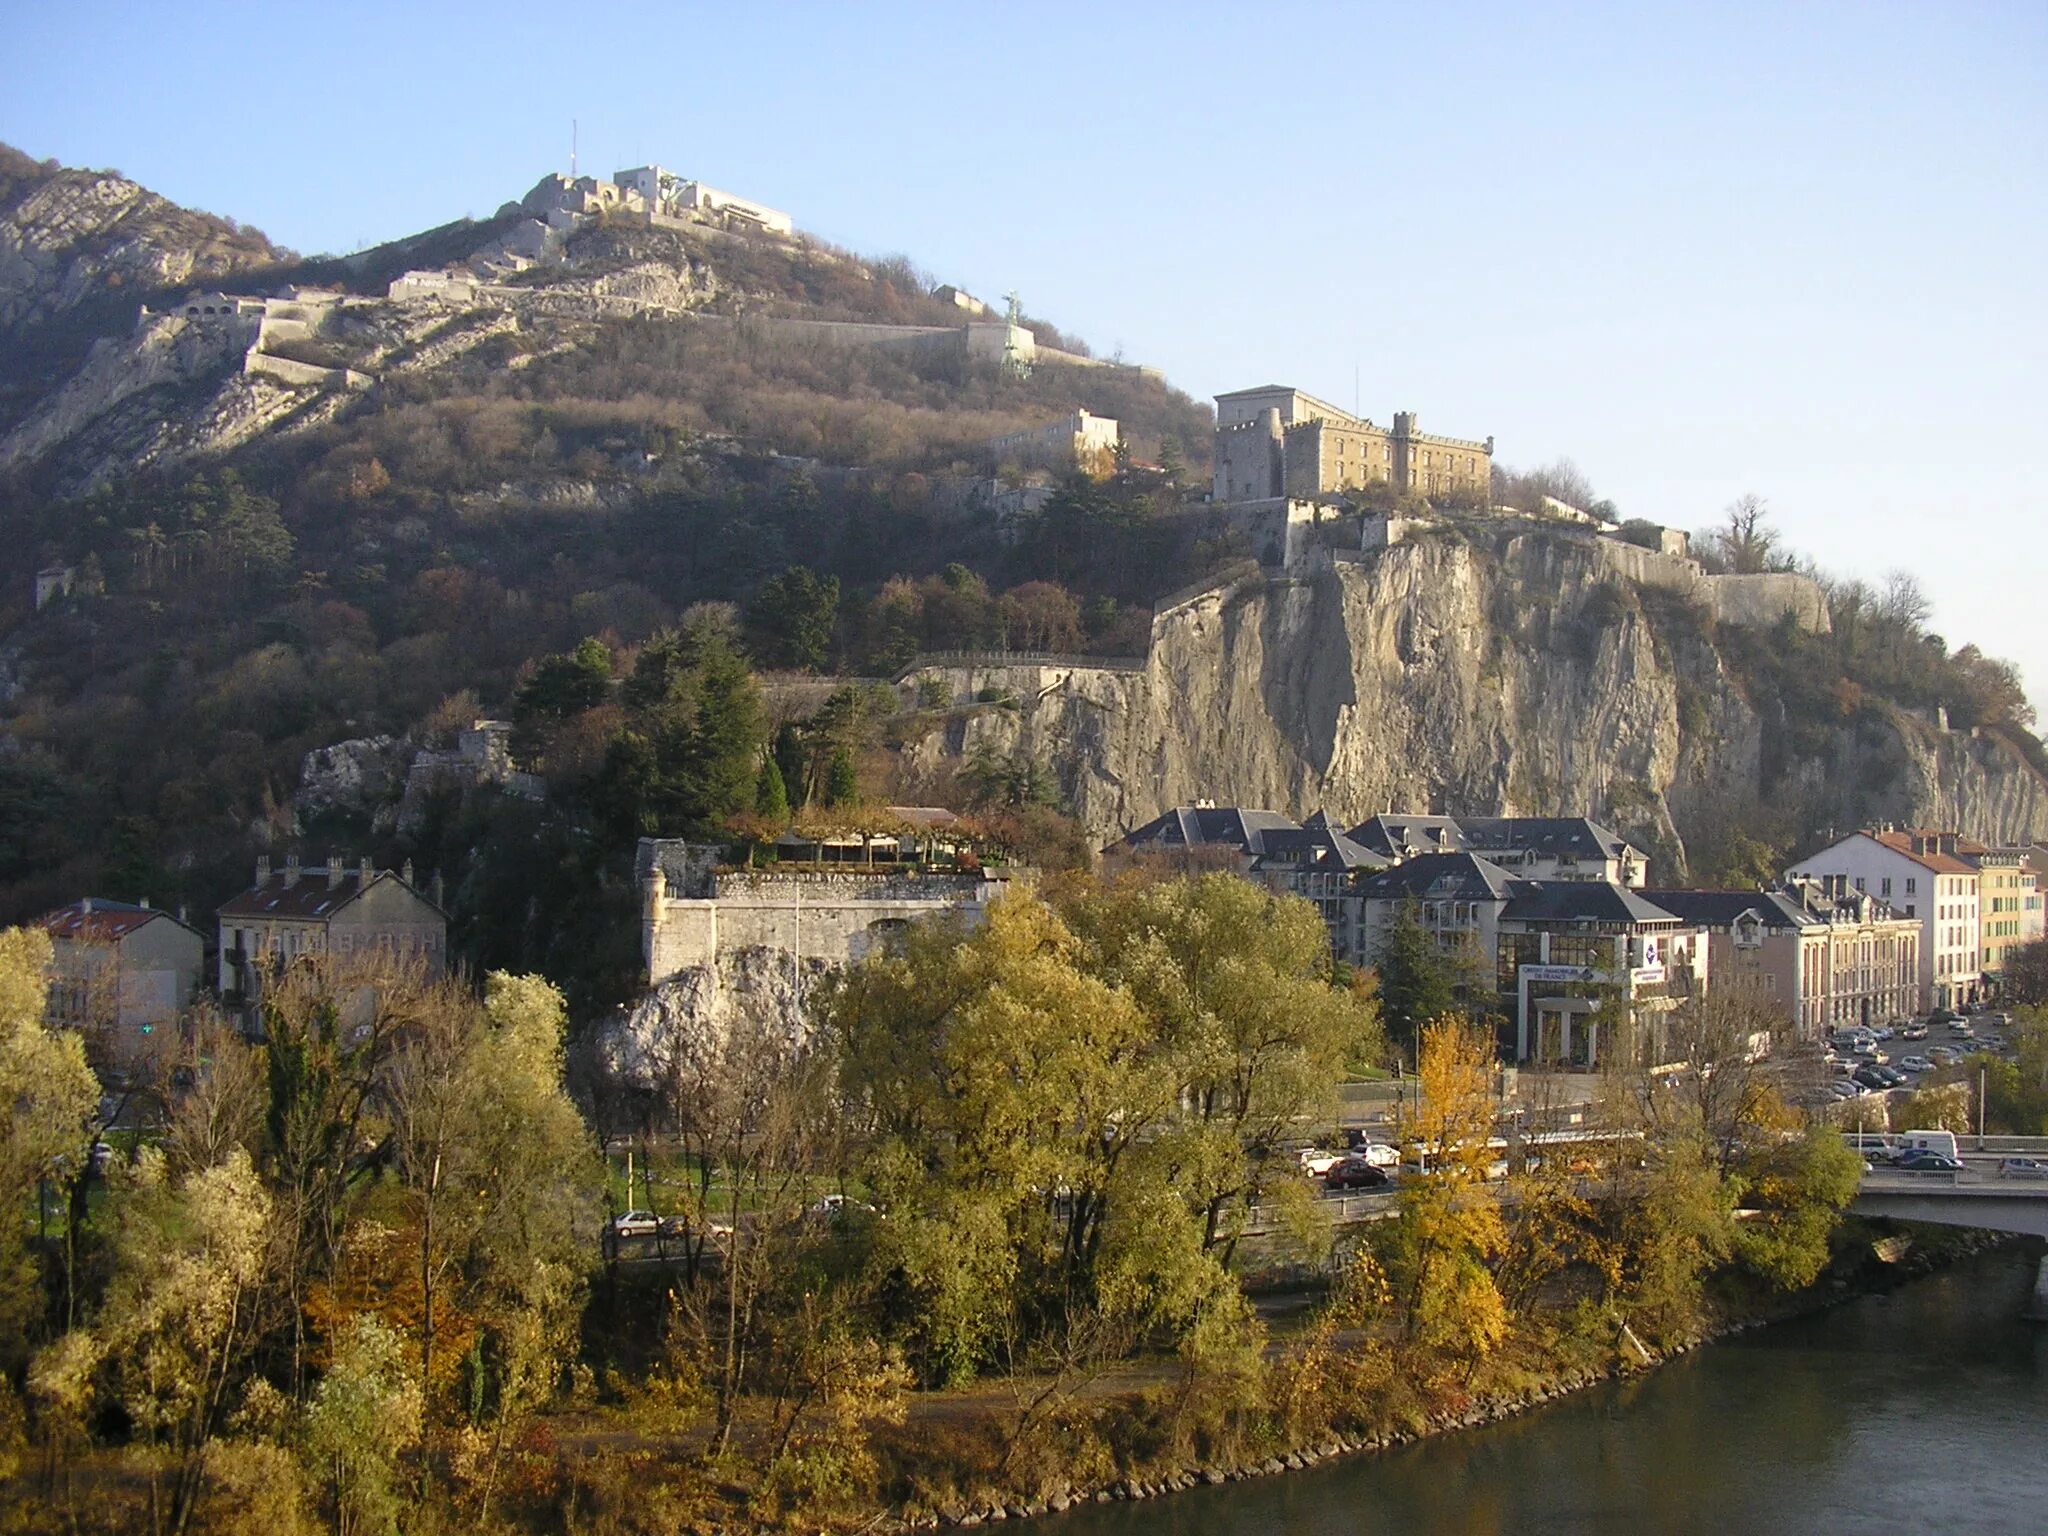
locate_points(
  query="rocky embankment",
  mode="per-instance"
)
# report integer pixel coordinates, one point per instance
(1520, 676)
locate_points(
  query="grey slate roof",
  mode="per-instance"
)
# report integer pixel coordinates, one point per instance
(1314, 846)
(1577, 837)
(1208, 826)
(1442, 877)
(1581, 901)
(1720, 909)
(1398, 837)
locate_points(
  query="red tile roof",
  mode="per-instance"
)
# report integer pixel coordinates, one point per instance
(1930, 858)
(107, 923)
(310, 898)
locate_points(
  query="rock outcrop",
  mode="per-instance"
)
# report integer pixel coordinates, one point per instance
(1519, 677)
(361, 780)
(703, 1025)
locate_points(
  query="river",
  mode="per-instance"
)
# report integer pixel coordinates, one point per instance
(1923, 1410)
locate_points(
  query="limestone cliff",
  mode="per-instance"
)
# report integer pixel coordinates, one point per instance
(699, 1026)
(1521, 675)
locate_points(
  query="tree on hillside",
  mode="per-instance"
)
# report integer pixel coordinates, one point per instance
(558, 688)
(792, 616)
(686, 758)
(1743, 542)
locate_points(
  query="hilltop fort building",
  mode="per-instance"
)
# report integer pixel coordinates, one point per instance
(1275, 441)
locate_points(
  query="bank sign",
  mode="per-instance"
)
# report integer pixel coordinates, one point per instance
(1557, 973)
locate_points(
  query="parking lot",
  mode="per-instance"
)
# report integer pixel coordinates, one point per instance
(1887, 1059)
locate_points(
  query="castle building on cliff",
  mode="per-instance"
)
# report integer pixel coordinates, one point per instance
(1276, 441)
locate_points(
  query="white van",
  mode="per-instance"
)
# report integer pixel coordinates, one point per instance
(1943, 1142)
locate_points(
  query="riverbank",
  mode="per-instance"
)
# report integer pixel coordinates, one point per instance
(1146, 1443)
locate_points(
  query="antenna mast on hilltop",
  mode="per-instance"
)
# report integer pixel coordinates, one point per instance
(572, 149)
(1014, 361)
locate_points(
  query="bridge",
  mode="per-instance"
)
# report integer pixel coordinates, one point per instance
(1976, 1197)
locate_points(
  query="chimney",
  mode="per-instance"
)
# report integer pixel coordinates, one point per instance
(291, 870)
(334, 869)
(405, 872)
(85, 906)
(182, 914)
(437, 890)
(262, 868)
(364, 873)
(144, 903)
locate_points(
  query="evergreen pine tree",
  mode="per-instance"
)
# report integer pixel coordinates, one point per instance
(771, 798)
(842, 783)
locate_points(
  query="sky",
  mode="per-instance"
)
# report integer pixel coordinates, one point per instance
(1700, 251)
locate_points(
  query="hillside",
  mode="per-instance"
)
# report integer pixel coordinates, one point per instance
(353, 506)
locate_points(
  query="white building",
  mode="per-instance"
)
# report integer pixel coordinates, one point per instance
(1082, 439)
(1919, 874)
(665, 192)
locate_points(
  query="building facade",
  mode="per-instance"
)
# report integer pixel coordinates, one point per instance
(2008, 904)
(1822, 961)
(1919, 874)
(833, 912)
(1276, 441)
(120, 966)
(325, 909)
(1083, 441)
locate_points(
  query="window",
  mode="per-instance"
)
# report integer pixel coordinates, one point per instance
(1859, 882)
(1885, 886)
(1911, 882)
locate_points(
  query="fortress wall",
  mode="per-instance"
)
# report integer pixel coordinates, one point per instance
(1763, 600)
(297, 373)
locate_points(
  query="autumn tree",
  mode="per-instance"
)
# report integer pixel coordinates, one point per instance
(49, 1099)
(1235, 986)
(179, 1320)
(1450, 1224)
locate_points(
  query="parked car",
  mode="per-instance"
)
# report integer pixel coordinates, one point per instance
(1317, 1161)
(1844, 1088)
(1871, 1077)
(1357, 1173)
(1942, 1055)
(635, 1224)
(1916, 1064)
(1894, 1076)
(1913, 1032)
(1880, 1031)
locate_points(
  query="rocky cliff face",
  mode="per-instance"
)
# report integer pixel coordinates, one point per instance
(703, 1025)
(1520, 677)
(67, 236)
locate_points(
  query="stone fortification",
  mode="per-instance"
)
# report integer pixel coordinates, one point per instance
(1276, 441)
(693, 913)
(1525, 677)
(1756, 601)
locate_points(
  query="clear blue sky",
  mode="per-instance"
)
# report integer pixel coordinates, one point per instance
(1699, 250)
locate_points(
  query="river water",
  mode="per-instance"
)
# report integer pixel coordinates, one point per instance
(1921, 1411)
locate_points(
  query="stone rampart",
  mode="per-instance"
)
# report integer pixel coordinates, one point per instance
(1754, 601)
(822, 917)
(301, 374)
